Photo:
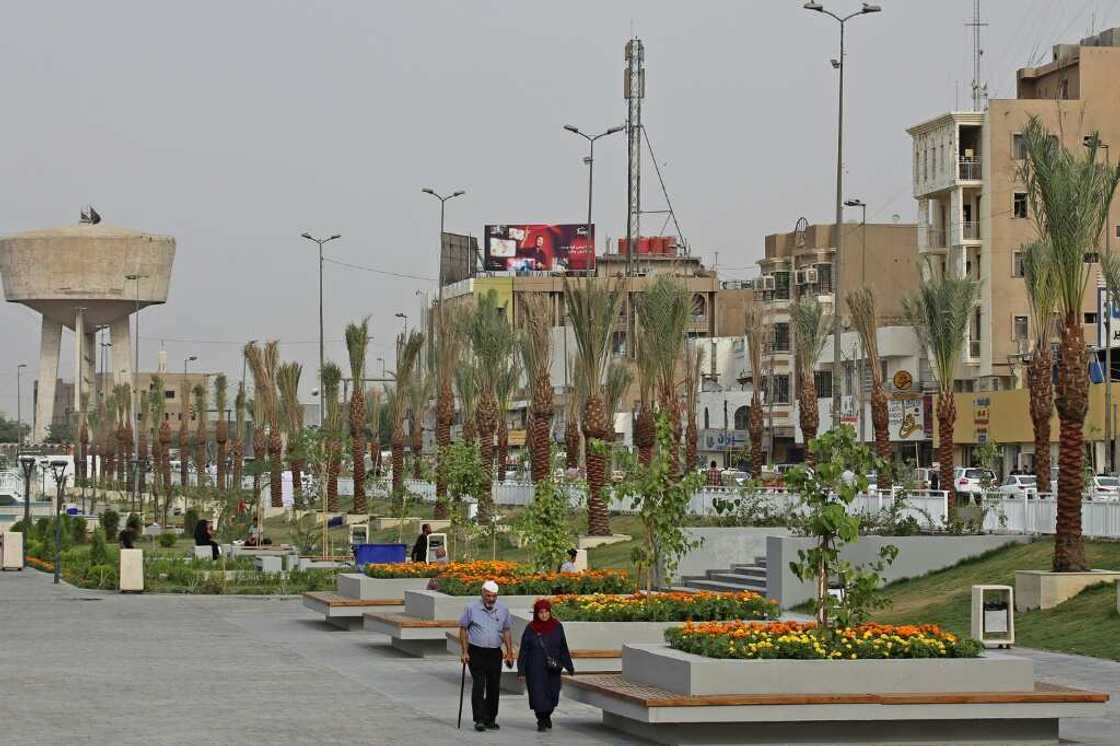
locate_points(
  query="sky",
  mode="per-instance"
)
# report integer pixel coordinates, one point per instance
(235, 127)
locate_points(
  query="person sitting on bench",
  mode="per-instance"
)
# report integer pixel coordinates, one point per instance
(420, 548)
(203, 537)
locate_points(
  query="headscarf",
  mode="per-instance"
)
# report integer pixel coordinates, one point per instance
(540, 627)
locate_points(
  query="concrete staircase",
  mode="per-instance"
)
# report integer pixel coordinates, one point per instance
(739, 577)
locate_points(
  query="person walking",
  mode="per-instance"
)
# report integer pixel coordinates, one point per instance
(484, 629)
(542, 656)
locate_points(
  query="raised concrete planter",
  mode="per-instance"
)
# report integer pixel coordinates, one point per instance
(917, 556)
(379, 524)
(689, 674)
(357, 585)
(132, 571)
(437, 605)
(1042, 589)
(11, 550)
(600, 636)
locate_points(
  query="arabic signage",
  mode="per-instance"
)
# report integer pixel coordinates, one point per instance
(721, 440)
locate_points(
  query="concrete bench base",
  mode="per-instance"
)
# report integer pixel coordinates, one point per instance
(420, 638)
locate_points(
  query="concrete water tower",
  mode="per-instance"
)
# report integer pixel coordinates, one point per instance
(77, 277)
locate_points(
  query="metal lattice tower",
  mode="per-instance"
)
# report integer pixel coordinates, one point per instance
(634, 87)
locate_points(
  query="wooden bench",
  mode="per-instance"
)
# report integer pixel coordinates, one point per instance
(345, 612)
(587, 662)
(1002, 718)
(414, 636)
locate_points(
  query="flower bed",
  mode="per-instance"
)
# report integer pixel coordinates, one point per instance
(549, 583)
(795, 640)
(664, 607)
(425, 570)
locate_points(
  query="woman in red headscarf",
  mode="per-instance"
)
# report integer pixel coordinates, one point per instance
(543, 655)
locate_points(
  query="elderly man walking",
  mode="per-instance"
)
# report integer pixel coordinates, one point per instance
(484, 630)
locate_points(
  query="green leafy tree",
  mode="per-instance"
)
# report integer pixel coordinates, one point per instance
(60, 432)
(546, 527)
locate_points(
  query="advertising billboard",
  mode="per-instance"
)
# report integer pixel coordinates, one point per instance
(539, 247)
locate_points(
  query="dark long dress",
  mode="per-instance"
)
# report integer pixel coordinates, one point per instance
(544, 687)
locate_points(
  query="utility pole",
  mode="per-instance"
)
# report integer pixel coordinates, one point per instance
(634, 83)
(320, 242)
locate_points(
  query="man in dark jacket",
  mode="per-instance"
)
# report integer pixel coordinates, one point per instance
(420, 548)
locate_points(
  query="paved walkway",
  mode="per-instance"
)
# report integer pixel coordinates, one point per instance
(89, 667)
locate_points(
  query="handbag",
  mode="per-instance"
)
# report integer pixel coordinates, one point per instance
(550, 664)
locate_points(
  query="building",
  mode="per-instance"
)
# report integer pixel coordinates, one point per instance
(974, 216)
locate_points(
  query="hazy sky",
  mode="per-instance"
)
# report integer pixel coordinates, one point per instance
(235, 126)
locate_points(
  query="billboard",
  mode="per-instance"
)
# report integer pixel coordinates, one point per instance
(457, 257)
(1104, 308)
(539, 247)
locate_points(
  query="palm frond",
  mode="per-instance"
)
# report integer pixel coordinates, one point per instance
(810, 330)
(592, 308)
(466, 384)
(939, 312)
(864, 310)
(663, 312)
(221, 397)
(757, 333)
(332, 379)
(287, 383)
(357, 342)
(619, 378)
(1041, 281)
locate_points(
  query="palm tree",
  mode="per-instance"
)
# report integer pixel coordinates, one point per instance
(419, 392)
(810, 330)
(200, 410)
(1042, 295)
(645, 428)
(291, 417)
(492, 341)
(332, 431)
(373, 416)
(94, 420)
(221, 427)
(466, 384)
(184, 417)
(262, 364)
(507, 381)
(448, 350)
(536, 351)
(238, 446)
(142, 443)
(593, 308)
(939, 312)
(164, 440)
(663, 312)
(757, 332)
(106, 415)
(396, 396)
(693, 362)
(573, 404)
(157, 408)
(619, 378)
(865, 318)
(357, 342)
(1070, 195)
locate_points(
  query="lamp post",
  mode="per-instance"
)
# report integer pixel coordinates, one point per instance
(320, 242)
(863, 279)
(442, 203)
(187, 361)
(27, 463)
(1110, 458)
(839, 65)
(19, 411)
(58, 469)
(590, 161)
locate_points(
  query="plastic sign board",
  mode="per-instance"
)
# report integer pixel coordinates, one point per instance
(1104, 308)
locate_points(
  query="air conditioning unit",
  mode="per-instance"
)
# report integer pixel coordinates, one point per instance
(766, 282)
(810, 276)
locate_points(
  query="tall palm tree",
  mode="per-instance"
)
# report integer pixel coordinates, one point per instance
(200, 411)
(142, 456)
(184, 432)
(164, 438)
(238, 446)
(291, 417)
(262, 363)
(508, 379)
(865, 318)
(419, 392)
(757, 333)
(357, 342)
(810, 330)
(221, 428)
(157, 408)
(448, 351)
(573, 405)
(408, 350)
(645, 427)
(536, 351)
(1042, 295)
(1070, 195)
(275, 437)
(939, 312)
(373, 417)
(492, 342)
(693, 362)
(593, 308)
(466, 385)
(663, 313)
(332, 431)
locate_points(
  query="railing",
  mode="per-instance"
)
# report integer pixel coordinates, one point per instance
(1099, 519)
(935, 238)
(968, 169)
(970, 230)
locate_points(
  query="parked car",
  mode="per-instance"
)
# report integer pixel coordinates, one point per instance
(1104, 488)
(734, 477)
(969, 481)
(1019, 485)
(8, 501)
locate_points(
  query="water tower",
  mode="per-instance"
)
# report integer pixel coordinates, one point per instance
(83, 277)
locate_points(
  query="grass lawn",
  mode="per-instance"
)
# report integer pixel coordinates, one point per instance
(1085, 625)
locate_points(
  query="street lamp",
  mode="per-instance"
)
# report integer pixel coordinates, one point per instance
(590, 161)
(27, 463)
(58, 470)
(187, 360)
(863, 279)
(320, 242)
(1091, 141)
(866, 9)
(442, 202)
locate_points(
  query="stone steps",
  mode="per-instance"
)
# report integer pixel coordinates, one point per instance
(739, 577)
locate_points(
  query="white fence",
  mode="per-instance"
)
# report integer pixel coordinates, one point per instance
(1039, 516)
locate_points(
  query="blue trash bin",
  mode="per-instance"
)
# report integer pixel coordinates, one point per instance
(379, 554)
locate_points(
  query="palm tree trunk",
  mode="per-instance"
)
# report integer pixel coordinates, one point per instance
(946, 420)
(275, 468)
(184, 456)
(1072, 400)
(880, 423)
(487, 421)
(297, 480)
(754, 424)
(572, 443)
(417, 445)
(809, 415)
(541, 444)
(165, 461)
(691, 442)
(595, 432)
(503, 448)
(260, 446)
(645, 434)
(200, 450)
(445, 413)
(334, 457)
(398, 460)
(238, 453)
(221, 438)
(358, 448)
(1041, 387)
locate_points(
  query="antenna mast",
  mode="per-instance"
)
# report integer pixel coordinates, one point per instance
(979, 90)
(634, 90)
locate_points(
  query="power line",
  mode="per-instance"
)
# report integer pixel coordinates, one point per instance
(378, 271)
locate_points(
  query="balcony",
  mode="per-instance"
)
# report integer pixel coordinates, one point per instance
(935, 238)
(970, 230)
(968, 169)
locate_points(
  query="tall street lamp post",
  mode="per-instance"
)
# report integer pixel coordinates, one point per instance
(839, 65)
(58, 469)
(19, 411)
(140, 464)
(27, 463)
(320, 242)
(863, 279)
(187, 361)
(442, 203)
(590, 161)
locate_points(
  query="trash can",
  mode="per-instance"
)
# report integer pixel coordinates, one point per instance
(379, 554)
(993, 618)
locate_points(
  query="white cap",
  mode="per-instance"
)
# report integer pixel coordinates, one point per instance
(490, 586)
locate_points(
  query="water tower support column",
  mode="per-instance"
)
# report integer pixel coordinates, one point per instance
(122, 350)
(49, 345)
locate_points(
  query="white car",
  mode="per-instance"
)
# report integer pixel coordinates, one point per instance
(969, 481)
(1019, 485)
(1104, 488)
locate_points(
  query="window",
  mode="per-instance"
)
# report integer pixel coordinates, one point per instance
(707, 421)
(780, 343)
(1091, 257)
(1016, 264)
(1118, 231)
(742, 417)
(781, 389)
(824, 278)
(1091, 317)
(618, 343)
(822, 379)
(1019, 328)
(1019, 205)
(169, 394)
(1018, 147)
(781, 285)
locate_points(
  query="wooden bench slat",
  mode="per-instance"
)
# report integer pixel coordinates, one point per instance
(588, 654)
(614, 685)
(335, 600)
(411, 622)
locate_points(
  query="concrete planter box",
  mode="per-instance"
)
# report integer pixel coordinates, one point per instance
(1042, 589)
(437, 605)
(600, 635)
(917, 556)
(689, 674)
(357, 585)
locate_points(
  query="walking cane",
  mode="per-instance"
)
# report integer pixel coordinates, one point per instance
(462, 688)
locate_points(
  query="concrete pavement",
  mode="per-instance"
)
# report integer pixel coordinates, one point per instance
(91, 667)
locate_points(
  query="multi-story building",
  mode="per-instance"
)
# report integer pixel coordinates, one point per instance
(974, 213)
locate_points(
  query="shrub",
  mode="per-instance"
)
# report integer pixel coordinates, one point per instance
(77, 526)
(98, 550)
(190, 520)
(134, 524)
(664, 607)
(111, 522)
(167, 540)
